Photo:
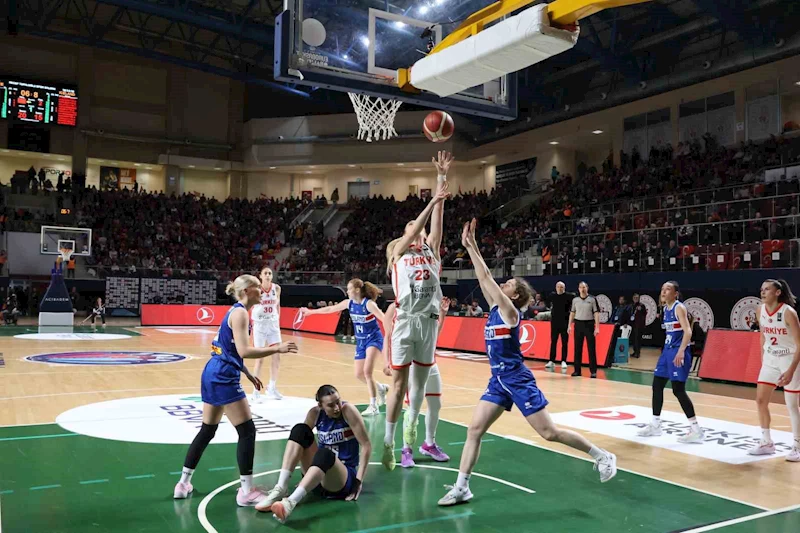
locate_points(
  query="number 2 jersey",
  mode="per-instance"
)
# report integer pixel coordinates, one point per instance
(415, 278)
(777, 339)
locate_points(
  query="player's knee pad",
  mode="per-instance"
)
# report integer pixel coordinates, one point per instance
(302, 435)
(324, 459)
(207, 432)
(246, 430)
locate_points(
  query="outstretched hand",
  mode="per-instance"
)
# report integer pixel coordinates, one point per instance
(442, 194)
(443, 160)
(445, 306)
(287, 347)
(468, 234)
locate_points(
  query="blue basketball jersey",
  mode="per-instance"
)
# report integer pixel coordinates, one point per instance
(365, 323)
(672, 326)
(502, 343)
(336, 435)
(223, 346)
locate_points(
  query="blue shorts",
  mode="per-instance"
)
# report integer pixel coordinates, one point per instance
(345, 491)
(516, 388)
(666, 369)
(363, 344)
(220, 383)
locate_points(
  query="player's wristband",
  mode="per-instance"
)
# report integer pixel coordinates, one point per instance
(441, 178)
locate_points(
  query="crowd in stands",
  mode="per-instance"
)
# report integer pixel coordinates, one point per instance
(594, 215)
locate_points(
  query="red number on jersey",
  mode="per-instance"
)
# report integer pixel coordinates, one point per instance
(774, 341)
(421, 274)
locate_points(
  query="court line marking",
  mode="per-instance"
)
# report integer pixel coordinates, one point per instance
(31, 437)
(588, 460)
(201, 509)
(1, 515)
(120, 369)
(43, 487)
(143, 476)
(93, 481)
(414, 523)
(750, 518)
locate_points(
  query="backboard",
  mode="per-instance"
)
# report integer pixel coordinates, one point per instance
(53, 237)
(352, 46)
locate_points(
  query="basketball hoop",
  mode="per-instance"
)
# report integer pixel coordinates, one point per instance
(66, 254)
(375, 117)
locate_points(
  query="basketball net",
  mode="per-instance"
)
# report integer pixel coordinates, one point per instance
(66, 254)
(375, 117)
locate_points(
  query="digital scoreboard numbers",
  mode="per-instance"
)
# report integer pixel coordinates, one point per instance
(38, 103)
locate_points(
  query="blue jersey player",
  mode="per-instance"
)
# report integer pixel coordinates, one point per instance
(512, 383)
(366, 317)
(335, 462)
(674, 365)
(221, 390)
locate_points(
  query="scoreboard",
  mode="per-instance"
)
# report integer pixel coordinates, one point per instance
(38, 103)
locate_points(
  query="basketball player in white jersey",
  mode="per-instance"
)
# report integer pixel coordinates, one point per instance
(416, 265)
(267, 332)
(780, 357)
(433, 386)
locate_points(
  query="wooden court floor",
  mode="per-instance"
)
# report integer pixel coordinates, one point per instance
(663, 486)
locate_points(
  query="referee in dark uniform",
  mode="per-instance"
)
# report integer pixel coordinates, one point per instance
(585, 314)
(560, 305)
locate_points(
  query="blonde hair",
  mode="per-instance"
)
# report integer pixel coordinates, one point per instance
(389, 255)
(237, 287)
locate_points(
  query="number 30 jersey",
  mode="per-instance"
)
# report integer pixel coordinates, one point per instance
(415, 278)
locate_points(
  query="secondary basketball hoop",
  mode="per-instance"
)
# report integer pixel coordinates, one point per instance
(66, 254)
(375, 116)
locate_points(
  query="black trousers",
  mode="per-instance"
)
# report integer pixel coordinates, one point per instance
(557, 330)
(585, 330)
(636, 339)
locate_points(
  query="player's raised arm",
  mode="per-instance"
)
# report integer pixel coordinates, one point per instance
(489, 287)
(341, 306)
(443, 161)
(419, 224)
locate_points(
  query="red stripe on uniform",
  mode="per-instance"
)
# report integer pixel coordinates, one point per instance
(401, 366)
(432, 394)
(791, 391)
(348, 433)
(424, 364)
(502, 331)
(768, 383)
(370, 317)
(775, 311)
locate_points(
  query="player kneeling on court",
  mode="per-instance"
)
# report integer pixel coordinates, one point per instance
(335, 462)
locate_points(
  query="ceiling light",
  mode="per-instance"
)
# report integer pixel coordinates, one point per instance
(351, 166)
(308, 172)
(217, 168)
(400, 164)
(149, 168)
(365, 40)
(484, 162)
(346, 57)
(597, 132)
(399, 24)
(137, 164)
(423, 9)
(6, 151)
(114, 163)
(797, 83)
(417, 170)
(553, 142)
(272, 168)
(191, 166)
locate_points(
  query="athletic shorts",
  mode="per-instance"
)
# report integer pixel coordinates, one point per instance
(518, 388)
(414, 340)
(266, 337)
(375, 340)
(220, 383)
(345, 491)
(667, 369)
(773, 366)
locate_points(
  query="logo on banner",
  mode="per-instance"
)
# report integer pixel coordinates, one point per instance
(205, 315)
(604, 302)
(106, 358)
(527, 338)
(724, 441)
(607, 415)
(745, 313)
(699, 309)
(652, 309)
(299, 318)
(175, 419)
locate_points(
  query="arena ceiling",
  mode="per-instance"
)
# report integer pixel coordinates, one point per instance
(622, 55)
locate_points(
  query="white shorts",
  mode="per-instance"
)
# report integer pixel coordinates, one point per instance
(771, 369)
(267, 337)
(414, 340)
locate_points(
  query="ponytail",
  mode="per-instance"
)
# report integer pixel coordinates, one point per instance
(367, 289)
(786, 296)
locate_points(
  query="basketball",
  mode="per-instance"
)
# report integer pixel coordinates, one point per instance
(438, 126)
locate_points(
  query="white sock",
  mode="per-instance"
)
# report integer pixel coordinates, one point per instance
(596, 453)
(388, 437)
(283, 478)
(695, 425)
(463, 481)
(247, 483)
(432, 418)
(383, 387)
(373, 401)
(271, 384)
(656, 421)
(186, 475)
(765, 435)
(298, 494)
(792, 405)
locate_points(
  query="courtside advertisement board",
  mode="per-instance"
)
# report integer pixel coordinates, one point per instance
(731, 356)
(466, 334)
(211, 315)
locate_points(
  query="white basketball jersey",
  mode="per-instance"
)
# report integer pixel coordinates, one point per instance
(265, 313)
(777, 339)
(415, 278)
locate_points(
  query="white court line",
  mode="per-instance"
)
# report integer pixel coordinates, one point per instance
(119, 369)
(201, 509)
(588, 460)
(1, 514)
(750, 518)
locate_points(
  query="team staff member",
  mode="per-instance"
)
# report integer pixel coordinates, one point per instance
(638, 321)
(585, 313)
(560, 305)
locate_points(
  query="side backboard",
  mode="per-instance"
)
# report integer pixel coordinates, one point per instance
(350, 46)
(53, 236)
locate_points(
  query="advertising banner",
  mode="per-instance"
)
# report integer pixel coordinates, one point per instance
(211, 315)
